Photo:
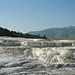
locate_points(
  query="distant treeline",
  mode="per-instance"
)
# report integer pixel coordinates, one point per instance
(6, 32)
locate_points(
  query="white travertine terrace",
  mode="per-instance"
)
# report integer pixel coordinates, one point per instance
(62, 51)
(20, 56)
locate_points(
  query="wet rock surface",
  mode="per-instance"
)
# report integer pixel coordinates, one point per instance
(20, 64)
(20, 56)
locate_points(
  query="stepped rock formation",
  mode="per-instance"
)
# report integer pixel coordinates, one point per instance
(21, 56)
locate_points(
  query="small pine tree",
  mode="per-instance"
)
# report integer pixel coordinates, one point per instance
(44, 37)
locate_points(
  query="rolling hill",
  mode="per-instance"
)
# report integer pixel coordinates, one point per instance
(6, 32)
(65, 32)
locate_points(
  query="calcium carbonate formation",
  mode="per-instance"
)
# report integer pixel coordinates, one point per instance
(21, 56)
(62, 51)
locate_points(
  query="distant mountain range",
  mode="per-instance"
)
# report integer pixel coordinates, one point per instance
(65, 32)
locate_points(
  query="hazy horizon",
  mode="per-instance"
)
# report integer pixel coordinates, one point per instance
(36, 15)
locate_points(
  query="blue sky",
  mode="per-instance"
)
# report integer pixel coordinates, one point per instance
(35, 15)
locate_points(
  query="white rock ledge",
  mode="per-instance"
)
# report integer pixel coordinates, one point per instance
(21, 56)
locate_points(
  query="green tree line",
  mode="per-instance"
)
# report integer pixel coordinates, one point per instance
(6, 32)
